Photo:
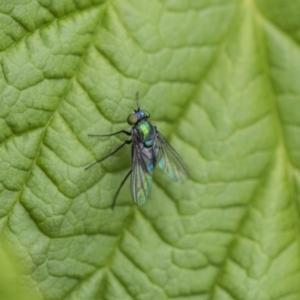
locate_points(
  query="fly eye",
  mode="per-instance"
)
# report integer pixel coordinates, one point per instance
(132, 119)
(147, 114)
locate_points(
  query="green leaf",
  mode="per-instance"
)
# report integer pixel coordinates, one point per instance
(221, 80)
(9, 278)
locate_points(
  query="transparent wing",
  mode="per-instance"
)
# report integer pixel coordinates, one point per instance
(141, 179)
(170, 161)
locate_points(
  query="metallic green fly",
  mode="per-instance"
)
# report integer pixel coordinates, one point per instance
(149, 148)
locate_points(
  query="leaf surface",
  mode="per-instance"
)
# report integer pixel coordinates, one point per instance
(221, 81)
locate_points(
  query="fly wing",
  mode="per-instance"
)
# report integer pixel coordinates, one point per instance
(141, 178)
(170, 161)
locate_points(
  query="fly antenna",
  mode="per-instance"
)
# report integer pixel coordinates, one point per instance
(137, 100)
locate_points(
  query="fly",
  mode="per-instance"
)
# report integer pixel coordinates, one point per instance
(149, 149)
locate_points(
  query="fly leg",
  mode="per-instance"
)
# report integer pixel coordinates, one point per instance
(110, 154)
(119, 188)
(111, 134)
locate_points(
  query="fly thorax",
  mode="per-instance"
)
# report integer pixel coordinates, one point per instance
(146, 133)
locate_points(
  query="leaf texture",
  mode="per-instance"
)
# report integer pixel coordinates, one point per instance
(221, 81)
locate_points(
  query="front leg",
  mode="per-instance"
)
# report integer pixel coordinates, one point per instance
(111, 134)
